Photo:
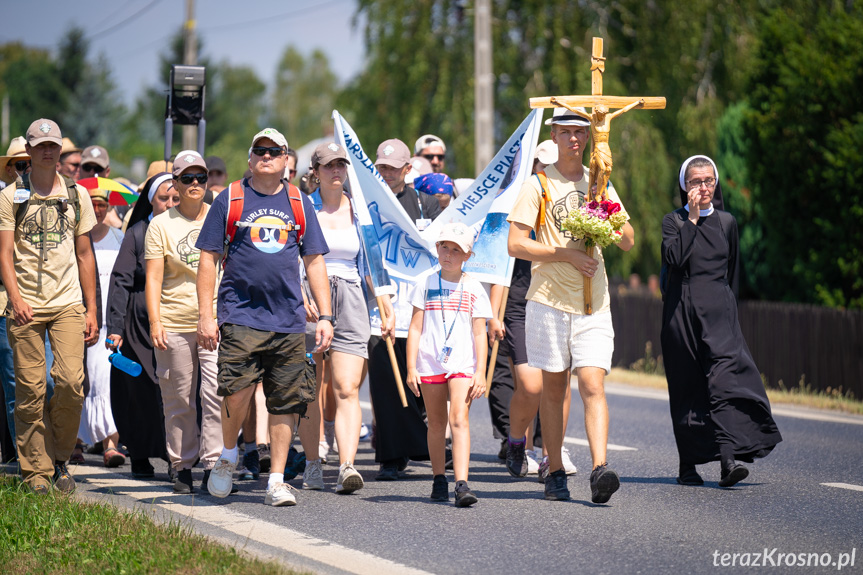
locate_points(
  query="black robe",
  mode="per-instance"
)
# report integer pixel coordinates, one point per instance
(135, 401)
(715, 389)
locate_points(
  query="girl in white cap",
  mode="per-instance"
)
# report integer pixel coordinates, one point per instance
(450, 310)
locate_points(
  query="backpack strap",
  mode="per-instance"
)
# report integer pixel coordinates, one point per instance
(72, 192)
(235, 210)
(294, 195)
(544, 198)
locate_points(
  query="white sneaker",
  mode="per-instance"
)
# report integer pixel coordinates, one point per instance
(323, 450)
(221, 478)
(568, 465)
(330, 436)
(313, 476)
(350, 479)
(532, 463)
(279, 495)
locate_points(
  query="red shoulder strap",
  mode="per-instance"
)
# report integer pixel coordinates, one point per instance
(235, 210)
(543, 184)
(294, 195)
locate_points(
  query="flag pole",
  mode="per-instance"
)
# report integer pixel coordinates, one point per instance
(496, 344)
(391, 350)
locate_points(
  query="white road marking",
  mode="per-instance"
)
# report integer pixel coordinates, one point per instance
(850, 486)
(247, 527)
(610, 446)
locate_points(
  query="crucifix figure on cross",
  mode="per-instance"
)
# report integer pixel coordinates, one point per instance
(600, 118)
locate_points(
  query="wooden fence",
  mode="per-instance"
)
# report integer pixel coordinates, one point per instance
(791, 343)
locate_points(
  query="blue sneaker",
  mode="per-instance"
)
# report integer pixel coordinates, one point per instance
(296, 464)
(252, 463)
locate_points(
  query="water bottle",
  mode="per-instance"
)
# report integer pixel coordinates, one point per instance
(123, 363)
(310, 359)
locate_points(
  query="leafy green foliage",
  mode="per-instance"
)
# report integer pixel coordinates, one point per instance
(806, 129)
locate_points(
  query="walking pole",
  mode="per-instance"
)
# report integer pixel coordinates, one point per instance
(496, 344)
(391, 350)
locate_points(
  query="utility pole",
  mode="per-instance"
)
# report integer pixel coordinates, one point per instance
(483, 86)
(190, 58)
(4, 122)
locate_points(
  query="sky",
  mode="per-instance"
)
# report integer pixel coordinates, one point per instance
(131, 34)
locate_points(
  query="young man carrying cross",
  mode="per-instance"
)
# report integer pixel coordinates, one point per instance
(561, 337)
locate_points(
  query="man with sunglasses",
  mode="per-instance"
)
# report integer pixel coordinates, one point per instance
(95, 162)
(432, 149)
(15, 163)
(70, 161)
(262, 321)
(48, 268)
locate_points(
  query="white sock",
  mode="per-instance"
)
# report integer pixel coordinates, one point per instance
(230, 454)
(275, 478)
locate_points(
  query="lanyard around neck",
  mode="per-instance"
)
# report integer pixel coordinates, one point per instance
(447, 333)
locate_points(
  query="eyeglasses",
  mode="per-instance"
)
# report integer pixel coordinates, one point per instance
(74, 165)
(709, 182)
(187, 179)
(95, 168)
(431, 157)
(292, 173)
(22, 165)
(274, 152)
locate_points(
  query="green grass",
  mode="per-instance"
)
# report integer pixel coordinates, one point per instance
(53, 533)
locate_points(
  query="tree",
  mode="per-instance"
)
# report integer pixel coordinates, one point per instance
(303, 97)
(29, 77)
(806, 129)
(94, 113)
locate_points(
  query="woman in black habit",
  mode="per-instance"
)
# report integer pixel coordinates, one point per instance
(719, 408)
(137, 401)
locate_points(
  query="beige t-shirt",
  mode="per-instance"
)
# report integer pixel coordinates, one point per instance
(559, 284)
(61, 285)
(172, 237)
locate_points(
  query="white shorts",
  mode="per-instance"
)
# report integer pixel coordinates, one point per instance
(557, 340)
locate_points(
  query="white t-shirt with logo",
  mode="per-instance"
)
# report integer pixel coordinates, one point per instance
(449, 308)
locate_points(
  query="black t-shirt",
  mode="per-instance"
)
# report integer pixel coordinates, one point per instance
(411, 200)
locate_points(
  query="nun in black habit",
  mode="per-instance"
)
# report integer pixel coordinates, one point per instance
(719, 408)
(137, 401)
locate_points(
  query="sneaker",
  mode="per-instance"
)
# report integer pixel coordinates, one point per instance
(501, 454)
(733, 475)
(447, 459)
(221, 478)
(516, 463)
(295, 465)
(464, 497)
(183, 483)
(555, 486)
(330, 436)
(113, 458)
(542, 472)
(313, 476)
(323, 450)
(252, 463)
(206, 480)
(63, 481)
(365, 433)
(603, 483)
(568, 465)
(279, 495)
(77, 457)
(532, 463)
(264, 457)
(350, 479)
(440, 488)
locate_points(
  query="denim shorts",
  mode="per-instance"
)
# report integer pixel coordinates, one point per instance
(248, 355)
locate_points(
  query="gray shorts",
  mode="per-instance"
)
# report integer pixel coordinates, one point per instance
(352, 330)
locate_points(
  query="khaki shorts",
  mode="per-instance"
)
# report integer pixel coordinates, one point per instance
(248, 355)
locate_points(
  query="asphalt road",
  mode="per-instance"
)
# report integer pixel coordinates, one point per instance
(652, 525)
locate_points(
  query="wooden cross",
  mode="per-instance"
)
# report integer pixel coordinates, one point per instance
(600, 127)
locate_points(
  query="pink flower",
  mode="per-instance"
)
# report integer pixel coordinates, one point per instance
(593, 205)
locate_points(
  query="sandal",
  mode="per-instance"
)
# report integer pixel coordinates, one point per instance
(77, 456)
(113, 458)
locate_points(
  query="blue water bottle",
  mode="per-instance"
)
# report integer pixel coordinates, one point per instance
(123, 363)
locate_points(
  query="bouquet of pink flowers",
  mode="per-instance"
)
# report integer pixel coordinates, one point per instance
(598, 223)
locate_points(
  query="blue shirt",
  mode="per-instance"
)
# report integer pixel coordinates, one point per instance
(260, 285)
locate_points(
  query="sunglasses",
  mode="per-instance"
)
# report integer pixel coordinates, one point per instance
(431, 157)
(274, 152)
(95, 168)
(187, 179)
(292, 173)
(22, 165)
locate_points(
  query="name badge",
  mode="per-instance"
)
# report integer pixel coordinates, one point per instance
(423, 223)
(21, 195)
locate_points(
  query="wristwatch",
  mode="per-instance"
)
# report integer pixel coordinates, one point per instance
(328, 318)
